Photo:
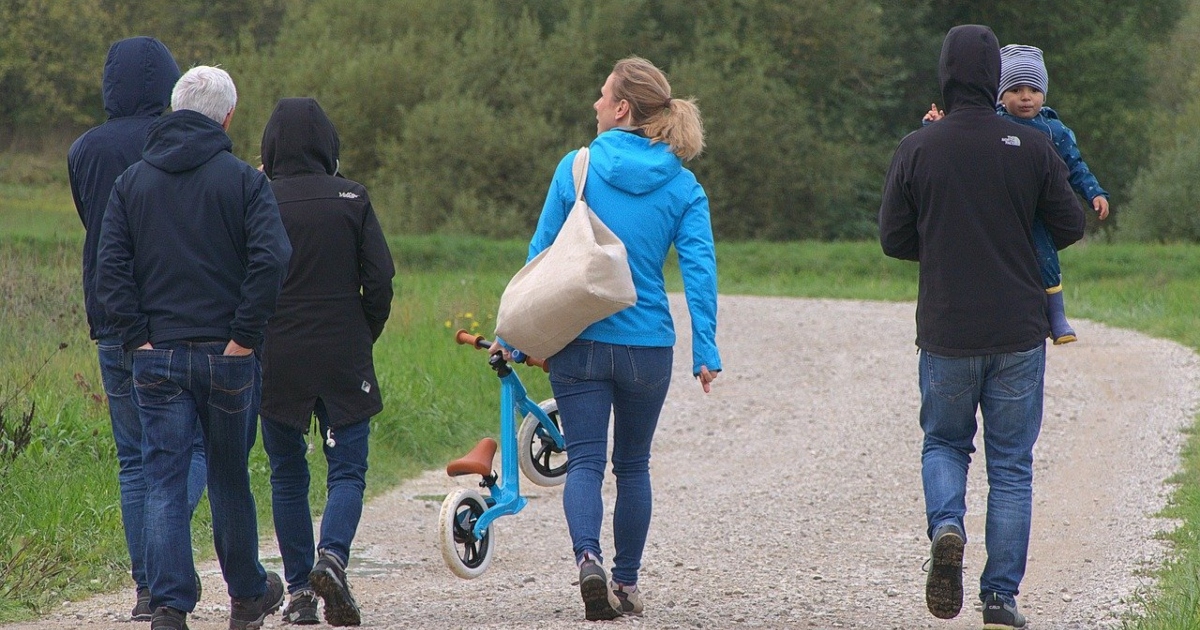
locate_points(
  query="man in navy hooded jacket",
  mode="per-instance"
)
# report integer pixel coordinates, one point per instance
(191, 258)
(960, 199)
(138, 76)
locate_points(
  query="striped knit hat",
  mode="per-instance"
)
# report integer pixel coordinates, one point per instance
(1022, 65)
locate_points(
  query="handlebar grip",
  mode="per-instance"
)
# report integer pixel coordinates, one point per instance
(467, 339)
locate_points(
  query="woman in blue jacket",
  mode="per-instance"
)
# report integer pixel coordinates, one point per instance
(638, 187)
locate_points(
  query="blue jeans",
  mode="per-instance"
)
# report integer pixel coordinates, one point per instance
(345, 482)
(590, 379)
(1047, 255)
(1007, 389)
(117, 373)
(177, 384)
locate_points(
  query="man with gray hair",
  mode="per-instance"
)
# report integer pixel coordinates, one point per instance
(191, 257)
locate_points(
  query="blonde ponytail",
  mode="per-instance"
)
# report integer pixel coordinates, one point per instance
(662, 118)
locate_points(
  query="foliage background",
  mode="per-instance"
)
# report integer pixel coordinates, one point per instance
(454, 112)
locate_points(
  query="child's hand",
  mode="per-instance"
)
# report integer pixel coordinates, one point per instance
(934, 114)
(1100, 205)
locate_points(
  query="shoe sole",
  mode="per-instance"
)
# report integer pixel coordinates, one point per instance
(1058, 341)
(943, 587)
(340, 608)
(596, 606)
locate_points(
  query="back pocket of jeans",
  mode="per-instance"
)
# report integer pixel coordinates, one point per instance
(232, 380)
(152, 377)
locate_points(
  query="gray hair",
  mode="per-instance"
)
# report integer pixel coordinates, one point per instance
(207, 90)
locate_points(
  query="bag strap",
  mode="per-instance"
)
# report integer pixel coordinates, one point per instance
(579, 171)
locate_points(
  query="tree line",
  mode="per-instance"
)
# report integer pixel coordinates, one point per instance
(454, 112)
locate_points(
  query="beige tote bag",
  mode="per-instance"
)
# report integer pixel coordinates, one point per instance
(580, 279)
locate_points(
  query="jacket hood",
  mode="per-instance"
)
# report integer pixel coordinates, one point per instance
(299, 139)
(969, 68)
(183, 140)
(631, 162)
(139, 75)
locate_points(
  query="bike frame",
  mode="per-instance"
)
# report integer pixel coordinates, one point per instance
(505, 498)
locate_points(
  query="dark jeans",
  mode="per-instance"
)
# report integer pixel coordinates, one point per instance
(345, 482)
(1007, 390)
(177, 384)
(117, 373)
(590, 380)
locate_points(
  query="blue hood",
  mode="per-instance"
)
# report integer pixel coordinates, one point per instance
(139, 75)
(630, 162)
(183, 140)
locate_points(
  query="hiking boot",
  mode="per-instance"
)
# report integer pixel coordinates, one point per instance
(248, 613)
(629, 598)
(141, 610)
(599, 602)
(302, 609)
(943, 585)
(168, 619)
(328, 579)
(1001, 614)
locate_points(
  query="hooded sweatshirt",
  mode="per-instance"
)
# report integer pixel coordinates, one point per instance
(338, 291)
(138, 77)
(642, 192)
(960, 198)
(191, 247)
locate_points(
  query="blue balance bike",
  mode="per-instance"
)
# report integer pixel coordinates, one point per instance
(467, 525)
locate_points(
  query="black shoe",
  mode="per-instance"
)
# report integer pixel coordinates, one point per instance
(328, 579)
(141, 610)
(999, 614)
(248, 613)
(943, 585)
(168, 619)
(599, 603)
(302, 609)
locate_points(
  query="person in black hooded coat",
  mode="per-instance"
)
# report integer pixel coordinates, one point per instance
(317, 355)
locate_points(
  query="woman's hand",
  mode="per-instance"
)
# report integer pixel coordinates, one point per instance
(706, 378)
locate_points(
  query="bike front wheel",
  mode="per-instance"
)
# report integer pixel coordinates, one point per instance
(542, 461)
(466, 555)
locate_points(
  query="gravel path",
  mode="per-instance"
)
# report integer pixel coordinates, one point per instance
(790, 496)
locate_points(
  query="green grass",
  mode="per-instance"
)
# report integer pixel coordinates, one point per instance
(60, 495)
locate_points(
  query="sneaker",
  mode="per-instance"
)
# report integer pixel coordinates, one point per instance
(943, 585)
(248, 613)
(599, 602)
(302, 609)
(168, 619)
(328, 579)
(1000, 614)
(629, 598)
(141, 610)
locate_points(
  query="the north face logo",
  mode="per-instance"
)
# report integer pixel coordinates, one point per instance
(350, 195)
(1011, 141)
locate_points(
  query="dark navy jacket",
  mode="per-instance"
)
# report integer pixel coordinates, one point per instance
(138, 77)
(960, 198)
(191, 246)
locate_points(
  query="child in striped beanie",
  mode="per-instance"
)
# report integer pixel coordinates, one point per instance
(1021, 98)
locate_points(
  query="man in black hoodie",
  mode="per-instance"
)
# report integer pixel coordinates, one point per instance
(138, 76)
(960, 198)
(192, 254)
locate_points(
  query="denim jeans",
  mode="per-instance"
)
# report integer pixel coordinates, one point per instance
(1007, 390)
(177, 384)
(590, 380)
(1047, 255)
(117, 374)
(345, 482)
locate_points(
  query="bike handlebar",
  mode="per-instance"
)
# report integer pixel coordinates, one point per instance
(465, 338)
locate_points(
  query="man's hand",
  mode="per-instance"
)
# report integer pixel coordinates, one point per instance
(234, 350)
(145, 346)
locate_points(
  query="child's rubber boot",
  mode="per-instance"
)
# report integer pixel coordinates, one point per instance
(1060, 329)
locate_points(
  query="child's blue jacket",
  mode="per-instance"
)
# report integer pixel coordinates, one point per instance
(1047, 122)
